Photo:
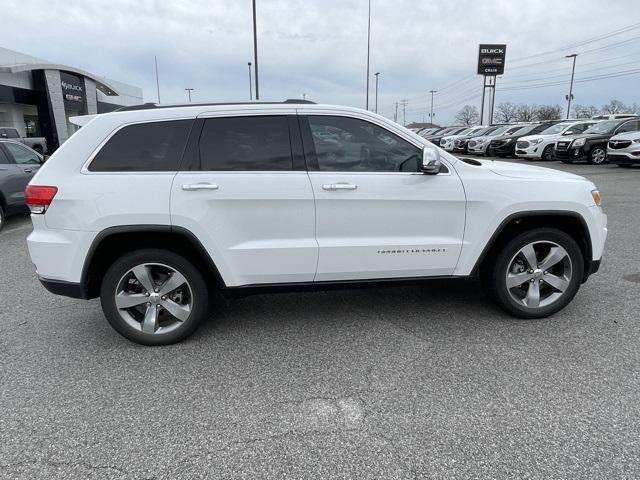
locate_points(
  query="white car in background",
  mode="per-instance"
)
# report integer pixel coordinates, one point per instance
(448, 143)
(540, 146)
(479, 145)
(624, 149)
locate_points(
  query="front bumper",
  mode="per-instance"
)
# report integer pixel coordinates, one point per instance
(504, 149)
(623, 158)
(572, 154)
(478, 149)
(532, 151)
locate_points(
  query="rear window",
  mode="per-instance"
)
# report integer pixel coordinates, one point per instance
(9, 132)
(144, 147)
(259, 143)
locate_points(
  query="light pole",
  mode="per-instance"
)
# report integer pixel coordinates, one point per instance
(250, 91)
(431, 114)
(376, 74)
(255, 50)
(573, 70)
(368, 52)
(189, 90)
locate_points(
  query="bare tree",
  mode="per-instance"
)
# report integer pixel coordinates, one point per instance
(549, 112)
(614, 106)
(506, 112)
(526, 113)
(468, 116)
(585, 111)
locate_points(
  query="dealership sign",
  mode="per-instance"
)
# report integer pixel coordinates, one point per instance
(491, 59)
(72, 91)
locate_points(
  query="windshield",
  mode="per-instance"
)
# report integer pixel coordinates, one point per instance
(498, 131)
(523, 130)
(463, 132)
(559, 128)
(603, 127)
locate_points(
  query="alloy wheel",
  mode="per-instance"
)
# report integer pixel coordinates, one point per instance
(539, 274)
(598, 156)
(154, 298)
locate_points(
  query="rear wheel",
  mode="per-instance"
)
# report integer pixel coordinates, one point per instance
(536, 274)
(154, 297)
(598, 156)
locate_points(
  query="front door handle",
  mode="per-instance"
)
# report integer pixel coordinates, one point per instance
(189, 187)
(339, 186)
(27, 170)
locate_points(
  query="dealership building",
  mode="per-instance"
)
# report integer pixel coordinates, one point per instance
(38, 97)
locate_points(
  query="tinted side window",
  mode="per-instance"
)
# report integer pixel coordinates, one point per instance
(350, 145)
(630, 126)
(259, 143)
(144, 147)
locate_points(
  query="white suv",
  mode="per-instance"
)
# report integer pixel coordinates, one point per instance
(540, 146)
(150, 208)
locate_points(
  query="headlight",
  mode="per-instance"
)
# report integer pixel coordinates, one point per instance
(596, 197)
(579, 142)
(536, 141)
(636, 140)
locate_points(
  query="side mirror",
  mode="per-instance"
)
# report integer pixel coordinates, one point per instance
(430, 161)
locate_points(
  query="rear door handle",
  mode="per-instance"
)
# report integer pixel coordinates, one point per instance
(189, 187)
(339, 186)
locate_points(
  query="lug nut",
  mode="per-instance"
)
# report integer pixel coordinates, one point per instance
(164, 298)
(155, 290)
(148, 304)
(530, 271)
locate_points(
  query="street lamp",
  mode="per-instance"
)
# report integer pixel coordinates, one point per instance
(250, 92)
(376, 75)
(368, 53)
(573, 70)
(189, 90)
(255, 50)
(431, 114)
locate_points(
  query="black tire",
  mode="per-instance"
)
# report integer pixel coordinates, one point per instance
(547, 153)
(598, 156)
(128, 261)
(1, 217)
(494, 275)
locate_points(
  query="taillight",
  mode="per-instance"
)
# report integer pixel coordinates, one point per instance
(38, 197)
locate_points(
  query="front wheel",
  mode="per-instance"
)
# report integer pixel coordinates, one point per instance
(154, 297)
(547, 153)
(536, 274)
(598, 156)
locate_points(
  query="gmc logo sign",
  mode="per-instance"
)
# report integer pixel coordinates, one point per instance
(491, 59)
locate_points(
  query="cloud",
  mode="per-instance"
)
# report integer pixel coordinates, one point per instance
(318, 47)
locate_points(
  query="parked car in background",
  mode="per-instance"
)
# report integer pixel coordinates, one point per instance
(505, 145)
(461, 143)
(18, 164)
(624, 149)
(479, 145)
(428, 131)
(39, 144)
(448, 143)
(540, 146)
(614, 116)
(381, 205)
(438, 136)
(591, 146)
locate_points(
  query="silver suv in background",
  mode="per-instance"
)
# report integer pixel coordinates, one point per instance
(39, 144)
(18, 165)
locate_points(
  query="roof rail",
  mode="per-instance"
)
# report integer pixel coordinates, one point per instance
(151, 105)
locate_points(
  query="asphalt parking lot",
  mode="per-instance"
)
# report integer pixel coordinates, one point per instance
(408, 382)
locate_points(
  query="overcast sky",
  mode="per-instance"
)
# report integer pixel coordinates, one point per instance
(318, 47)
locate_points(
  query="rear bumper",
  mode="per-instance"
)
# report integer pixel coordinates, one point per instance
(66, 289)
